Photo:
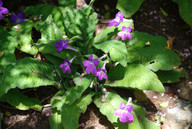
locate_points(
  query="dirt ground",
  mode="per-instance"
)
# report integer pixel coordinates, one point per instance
(148, 19)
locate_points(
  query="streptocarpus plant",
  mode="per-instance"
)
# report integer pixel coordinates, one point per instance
(93, 63)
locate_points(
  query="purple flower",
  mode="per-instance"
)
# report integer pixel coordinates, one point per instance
(125, 33)
(118, 19)
(91, 65)
(101, 73)
(62, 44)
(124, 113)
(18, 19)
(3, 10)
(66, 65)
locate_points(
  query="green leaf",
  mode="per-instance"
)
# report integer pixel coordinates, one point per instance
(65, 3)
(113, 102)
(55, 121)
(185, 10)
(49, 31)
(141, 39)
(7, 48)
(158, 58)
(44, 9)
(22, 34)
(82, 27)
(108, 32)
(116, 49)
(58, 100)
(71, 113)
(134, 76)
(171, 76)
(128, 7)
(20, 101)
(82, 83)
(27, 73)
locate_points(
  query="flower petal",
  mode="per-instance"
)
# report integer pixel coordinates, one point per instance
(122, 106)
(4, 10)
(20, 15)
(59, 49)
(1, 16)
(117, 112)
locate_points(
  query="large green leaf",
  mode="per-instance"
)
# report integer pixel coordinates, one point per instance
(116, 49)
(112, 101)
(44, 9)
(7, 48)
(71, 113)
(171, 76)
(22, 34)
(83, 27)
(129, 7)
(141, 39)
(65, 3)
(49, 31)
(158, 58)
(27, 73)
(58, 100)
(134, 76)
(82, 83)
(108, 32)
(55, 121)
(185, 10)
(20, 101)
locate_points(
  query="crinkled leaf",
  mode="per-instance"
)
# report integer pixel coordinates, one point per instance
(22, 34)
(82, 83)
(171, 76)
(44, 9)
(49, 31)
(27, 73)
(51, 49)
(116, 49)
(108, 32)
(134, 76)
(58, 100)
(65, 3)
(158, 58)
(20, 101)
(128, 7)
(7, 48)
(55, 121)
(70, 113)
(185, 10)
(141, 39)
(112, 102)
(83, 27)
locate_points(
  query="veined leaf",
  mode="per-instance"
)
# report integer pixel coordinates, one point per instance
(134, 76)
(82, 83)
(49, 31)
(113, 102)
(185, 10)
(58, 100)
(171, 76)
(20, 101)
(65, 3)
(27, 73)
(22, 34)
(116, 49)
(158, 58)
(70, 113)
(129, 7)
(108, 32)
(141, 39)
(44, 9)
(7, 48)
(55, 121)
(83, 27)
